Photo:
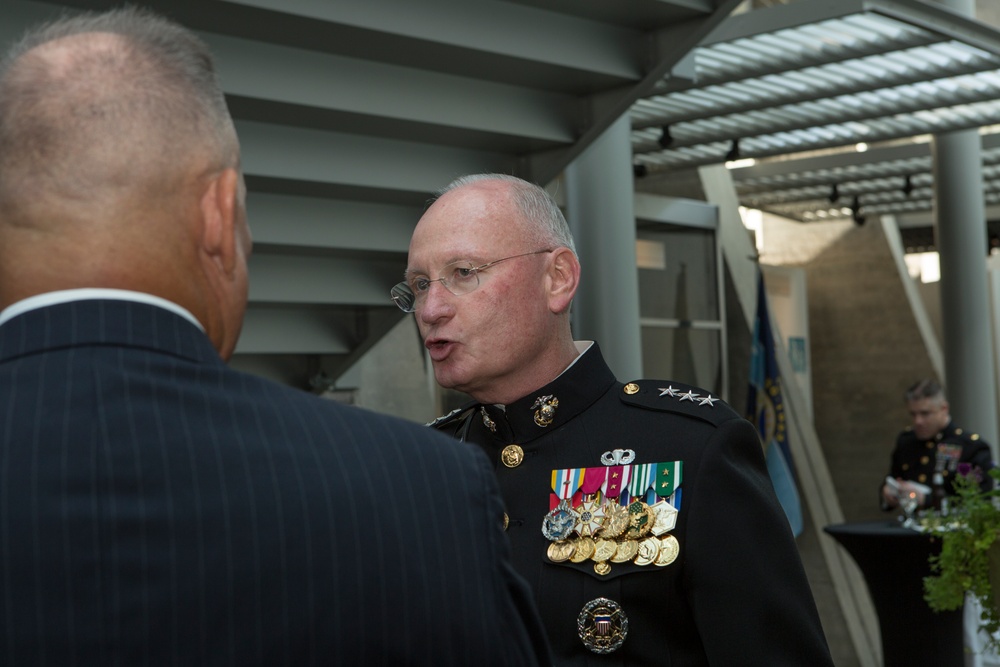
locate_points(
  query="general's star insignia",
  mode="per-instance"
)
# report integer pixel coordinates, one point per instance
(689, 396)
(708, 400)
(668, 391)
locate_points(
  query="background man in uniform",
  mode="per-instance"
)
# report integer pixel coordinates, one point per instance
(157, 507)
(640, 513)
(933, 444)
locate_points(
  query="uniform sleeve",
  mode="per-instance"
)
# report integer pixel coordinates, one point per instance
(746, 584)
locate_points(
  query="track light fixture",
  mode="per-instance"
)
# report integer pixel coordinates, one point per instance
(734, 151)
(665, 139)
(856, 215)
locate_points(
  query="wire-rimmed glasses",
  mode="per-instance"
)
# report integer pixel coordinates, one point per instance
(459, 278)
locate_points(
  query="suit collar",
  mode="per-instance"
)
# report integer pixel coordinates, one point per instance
(106, 323)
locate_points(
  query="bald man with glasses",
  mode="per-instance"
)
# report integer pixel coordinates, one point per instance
(640, 513)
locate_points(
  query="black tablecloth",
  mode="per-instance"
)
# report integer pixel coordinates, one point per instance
(894, 561)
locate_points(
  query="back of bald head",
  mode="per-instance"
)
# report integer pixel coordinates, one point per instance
(101, 113)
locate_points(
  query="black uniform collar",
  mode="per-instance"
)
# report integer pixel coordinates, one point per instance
(570, 394)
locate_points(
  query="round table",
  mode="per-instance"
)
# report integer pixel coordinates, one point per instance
(894, 562)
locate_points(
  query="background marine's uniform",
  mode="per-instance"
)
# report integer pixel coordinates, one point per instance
(916, 460)
(729, 589)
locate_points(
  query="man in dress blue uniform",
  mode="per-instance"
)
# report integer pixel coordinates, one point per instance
(157, 507)
(933, 446)
(641, 513)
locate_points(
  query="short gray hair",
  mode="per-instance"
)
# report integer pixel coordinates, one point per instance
(540, 212)
(149, 99)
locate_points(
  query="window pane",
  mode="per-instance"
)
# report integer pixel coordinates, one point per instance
(690, 356)
(684, 287)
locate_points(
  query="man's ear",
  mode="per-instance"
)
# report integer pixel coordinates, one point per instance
(563, 277)
(218, 213)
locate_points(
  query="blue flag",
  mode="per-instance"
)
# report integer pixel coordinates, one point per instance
(766, 410)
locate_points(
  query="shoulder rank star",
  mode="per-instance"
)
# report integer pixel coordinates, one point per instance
(546, 410)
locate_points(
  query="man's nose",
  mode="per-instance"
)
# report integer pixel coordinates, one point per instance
(435, 303)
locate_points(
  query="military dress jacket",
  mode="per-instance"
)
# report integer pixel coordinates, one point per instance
(723, 585)
(916, 460)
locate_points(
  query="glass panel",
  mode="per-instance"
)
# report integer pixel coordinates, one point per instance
(690, 356)
(683, 286)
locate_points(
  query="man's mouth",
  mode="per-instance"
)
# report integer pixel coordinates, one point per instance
(439, 348)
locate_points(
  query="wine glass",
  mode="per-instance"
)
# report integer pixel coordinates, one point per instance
(909, 502)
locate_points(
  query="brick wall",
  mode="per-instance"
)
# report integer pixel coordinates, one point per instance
(864, 344)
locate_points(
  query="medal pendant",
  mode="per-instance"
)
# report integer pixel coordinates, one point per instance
(639, 523)
(664, 517)
(669, 549)
(649, 549)
(590, 516)
(615, 520)
(559, 522)
(604, 549)
(584, 550)
(560, 551)
(625, 552)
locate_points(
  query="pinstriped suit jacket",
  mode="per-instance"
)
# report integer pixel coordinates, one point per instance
(157, 507)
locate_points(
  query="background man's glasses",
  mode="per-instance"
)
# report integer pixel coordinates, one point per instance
(459, 278)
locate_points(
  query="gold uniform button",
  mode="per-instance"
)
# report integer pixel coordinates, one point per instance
(921, 478)
(958, 431)
(506, 521)
(906, 466)
(974, 436)
(930, 445)
(924, 460)
(512, 455)
(631, 388)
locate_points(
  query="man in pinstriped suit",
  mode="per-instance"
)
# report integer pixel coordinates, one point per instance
(157, 507)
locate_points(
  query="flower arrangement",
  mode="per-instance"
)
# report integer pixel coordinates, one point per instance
(970, 539)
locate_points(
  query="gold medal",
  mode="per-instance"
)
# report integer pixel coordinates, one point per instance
(625, 552)
(604, 549)
(561, 551)
(669, 548)
(649, 549)
(615, 520)
(512, 455)
(584, 550)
